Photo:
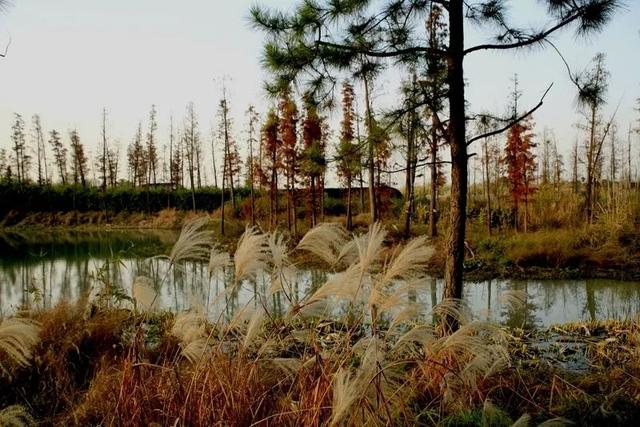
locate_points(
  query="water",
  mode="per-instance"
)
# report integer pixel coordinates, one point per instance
(40, 270)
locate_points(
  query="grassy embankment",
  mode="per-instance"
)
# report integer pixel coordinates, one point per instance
(113, 359)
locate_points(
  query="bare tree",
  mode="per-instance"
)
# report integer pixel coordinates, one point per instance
(191, 140)
(41, 152)
(21, 157)
(253, 118)
(103, 158)
(152, 150)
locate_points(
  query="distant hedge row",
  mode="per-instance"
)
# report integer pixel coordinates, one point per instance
(58, 198)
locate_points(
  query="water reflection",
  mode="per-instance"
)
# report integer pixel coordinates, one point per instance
(44, 280)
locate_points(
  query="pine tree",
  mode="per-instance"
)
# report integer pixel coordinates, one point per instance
(313, 161)
(137, 159)
(21, 157)
(290, 155)
(271, 163)
(348, 156)
(59, 154)
(78, 159)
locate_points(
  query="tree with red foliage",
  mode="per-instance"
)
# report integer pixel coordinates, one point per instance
(521, 167)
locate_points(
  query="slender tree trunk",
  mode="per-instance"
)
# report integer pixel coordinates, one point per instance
(312, 189)
(252, 178)
(487, 180)
(408, 183)
(373, 208)
(349, 213)
(455, 245)
(433, 202)
(591, 166)
(224, 178)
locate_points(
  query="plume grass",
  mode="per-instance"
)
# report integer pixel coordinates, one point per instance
(18, 336)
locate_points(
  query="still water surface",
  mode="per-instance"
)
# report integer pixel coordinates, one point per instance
(38, 270)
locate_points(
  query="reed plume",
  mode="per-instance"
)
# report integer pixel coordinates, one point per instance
(16, 416)
(324, 240)
(217, 260)
(18, 336)
(144, 295)
(252, 254)
(194, 242)
(190, 328)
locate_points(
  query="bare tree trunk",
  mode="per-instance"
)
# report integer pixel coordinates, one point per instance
(373, 208)
(349, 213)
(433, 202)
(487, 180)
(591, 166)
(251, 174)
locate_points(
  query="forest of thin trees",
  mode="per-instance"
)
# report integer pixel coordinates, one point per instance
(292, 150)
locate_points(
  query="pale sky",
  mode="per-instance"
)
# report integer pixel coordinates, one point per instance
(69, 58)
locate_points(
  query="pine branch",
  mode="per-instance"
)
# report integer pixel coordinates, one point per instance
(6, 49)
(512, 122)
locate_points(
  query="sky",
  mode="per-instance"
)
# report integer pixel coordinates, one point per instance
(70, 58)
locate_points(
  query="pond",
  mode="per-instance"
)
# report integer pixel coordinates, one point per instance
(39, 270)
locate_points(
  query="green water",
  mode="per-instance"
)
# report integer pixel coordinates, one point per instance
(38, 270)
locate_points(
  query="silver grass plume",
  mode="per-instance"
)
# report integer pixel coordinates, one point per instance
(324, 240)
(408, 263)
(252, 254)
(194, 242)
(18, 336)
(144, 295)
(217, 260)
(189, 328)
(16, 416)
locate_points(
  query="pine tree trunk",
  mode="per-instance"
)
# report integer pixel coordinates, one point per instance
(455, 247)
